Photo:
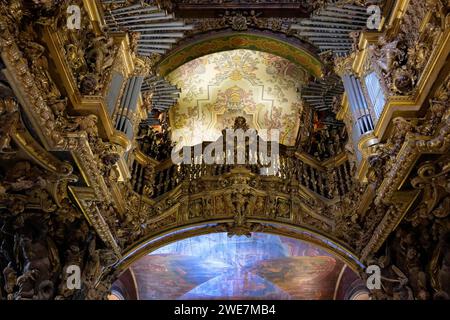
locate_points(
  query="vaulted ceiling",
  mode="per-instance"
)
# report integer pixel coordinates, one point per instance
(263, 266)
(81, 185)
(162, 27)
(193, 42)
(217, 88)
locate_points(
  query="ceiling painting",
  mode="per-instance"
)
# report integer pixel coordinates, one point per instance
(216, 266)
(295, 53)
(217, 88)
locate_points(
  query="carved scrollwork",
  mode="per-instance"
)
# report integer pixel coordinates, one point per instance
(35, 235)
(399, 59)
(433, 178)
(9, 118)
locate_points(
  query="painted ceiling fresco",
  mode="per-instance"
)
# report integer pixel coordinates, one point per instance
(217, 88)
(215, 266)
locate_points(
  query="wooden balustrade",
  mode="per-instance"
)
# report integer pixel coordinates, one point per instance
(328, 183)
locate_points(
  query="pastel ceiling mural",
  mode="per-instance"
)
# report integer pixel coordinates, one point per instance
(215, 266)
(217, 88)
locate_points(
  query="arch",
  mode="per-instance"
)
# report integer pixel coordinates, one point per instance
(125, 287)
(155, 241)
(116, 295)
(291, 50)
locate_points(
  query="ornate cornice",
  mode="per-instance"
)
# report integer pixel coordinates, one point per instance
(431, 135)
(412, 149)
(55, 132)
(393, 216)
(26, 142)
(211, 198)
(92, 209)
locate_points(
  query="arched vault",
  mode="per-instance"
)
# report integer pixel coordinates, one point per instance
(292, 49)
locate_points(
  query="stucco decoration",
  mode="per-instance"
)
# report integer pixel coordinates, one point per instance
(217, 88)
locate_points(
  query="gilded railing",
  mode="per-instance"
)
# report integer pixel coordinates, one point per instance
(328, 182)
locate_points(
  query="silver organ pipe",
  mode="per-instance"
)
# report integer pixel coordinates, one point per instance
(158, 29)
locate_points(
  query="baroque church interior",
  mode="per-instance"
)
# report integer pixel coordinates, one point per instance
(120, 178)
